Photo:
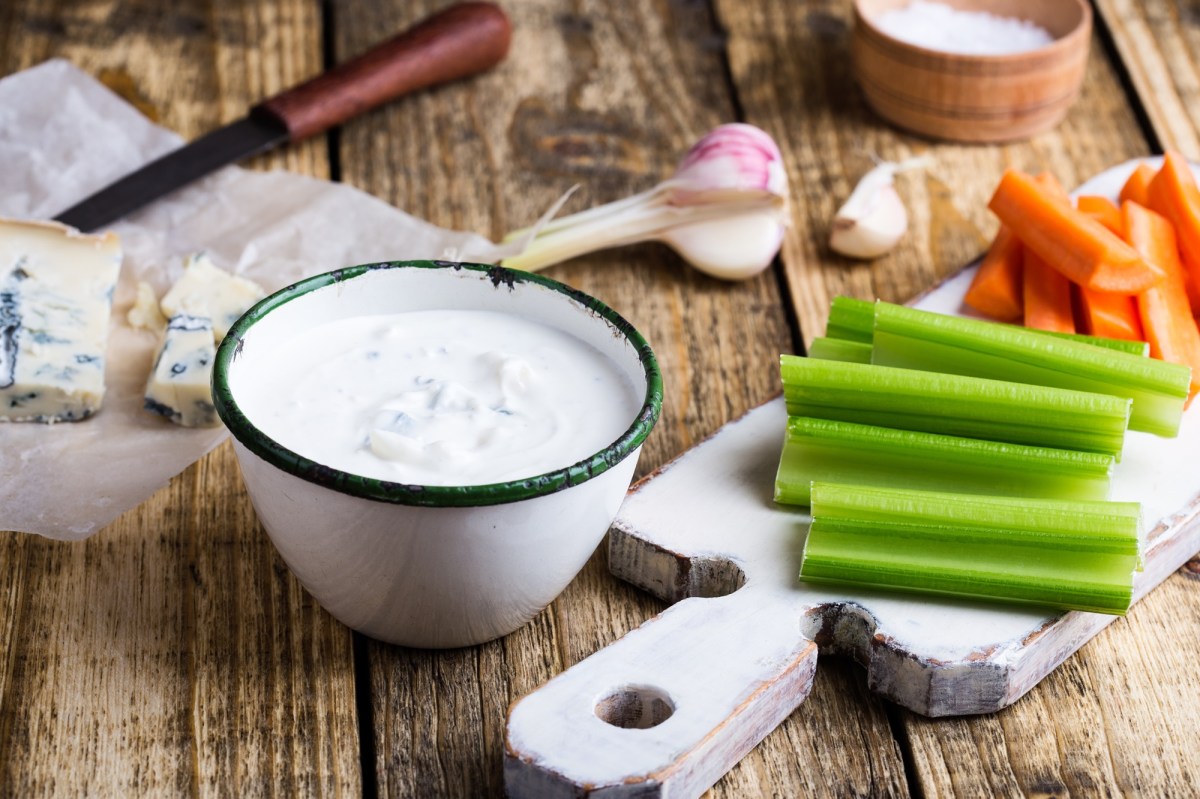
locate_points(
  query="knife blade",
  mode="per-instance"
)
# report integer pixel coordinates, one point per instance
(456, 42)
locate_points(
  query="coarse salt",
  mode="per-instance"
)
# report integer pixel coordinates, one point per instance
(937, 26)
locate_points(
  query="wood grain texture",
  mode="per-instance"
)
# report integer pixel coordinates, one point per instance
(1097, 726)
(1160, 52)
(172, 653)
(1068, 734)
(452, 44)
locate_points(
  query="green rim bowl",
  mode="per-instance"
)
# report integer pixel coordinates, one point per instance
(430, 566)
(291, 462)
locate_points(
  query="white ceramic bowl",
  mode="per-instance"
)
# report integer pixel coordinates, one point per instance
(431, 566)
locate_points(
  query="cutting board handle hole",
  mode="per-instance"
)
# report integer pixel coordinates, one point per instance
(635, 707)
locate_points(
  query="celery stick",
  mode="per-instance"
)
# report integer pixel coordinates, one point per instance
(849, 320)
(954, 405)
(1061, 554)
(1139, 348)
(842, 452)
(913, 339)
(839, 349)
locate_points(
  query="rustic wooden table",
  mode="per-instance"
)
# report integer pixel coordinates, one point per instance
(173, 653)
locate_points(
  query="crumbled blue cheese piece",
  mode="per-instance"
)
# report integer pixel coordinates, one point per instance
(144, 313)
(56, 293)
(207, 290)
(179, 385)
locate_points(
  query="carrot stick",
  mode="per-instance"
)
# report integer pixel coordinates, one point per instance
(1047, 296)
(1137, 188)
(1100, 312)
(1103, 210)
(1079, 247)
(1164, 309)
(1053, 188)
(1173, 194)
(996, 288)
(1052, 306)
(1110, 315)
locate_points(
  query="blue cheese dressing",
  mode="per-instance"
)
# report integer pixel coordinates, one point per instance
(446, 397)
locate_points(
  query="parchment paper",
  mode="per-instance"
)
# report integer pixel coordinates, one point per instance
(63, 135)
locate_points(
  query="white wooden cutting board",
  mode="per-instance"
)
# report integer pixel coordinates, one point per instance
(669, 708)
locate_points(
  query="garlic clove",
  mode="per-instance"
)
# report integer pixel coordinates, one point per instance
(735, 248)
(872, 227)
(873, 219)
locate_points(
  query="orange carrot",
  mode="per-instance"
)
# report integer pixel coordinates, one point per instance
(1173, 194)
(1079, 247)
(1110, 315)
(1047, 296)
(1164, 309)
(1137, 188)
(1103, 210)
(1100, 312)
(996, 288)
(1055, 189)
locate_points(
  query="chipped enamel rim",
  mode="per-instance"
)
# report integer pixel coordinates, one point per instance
(356, 485)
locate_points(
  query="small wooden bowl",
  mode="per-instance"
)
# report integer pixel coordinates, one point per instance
(974, 98)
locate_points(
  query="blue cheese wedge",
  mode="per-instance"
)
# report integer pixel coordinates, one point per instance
(207, 290)
(179, 385)
(56, 293)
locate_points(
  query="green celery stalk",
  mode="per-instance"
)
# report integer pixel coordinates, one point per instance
(850, 319)
(839, 349)
(1063, 554)
(854, 320)
(1138, 348)
(842, 452)
(913, 339)
(955, 405)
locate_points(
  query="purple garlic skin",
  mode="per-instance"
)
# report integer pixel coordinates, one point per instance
(730, 160)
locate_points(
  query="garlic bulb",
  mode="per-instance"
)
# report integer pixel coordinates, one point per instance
(873, 219)
(724, 211)
(731, 249)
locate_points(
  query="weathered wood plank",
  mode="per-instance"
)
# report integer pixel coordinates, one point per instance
(173, 652)
(1102, 723)
(1158, 48)
(12, 595)
(843, 728)
(608, 96)
(92, 700)
(1111, 721)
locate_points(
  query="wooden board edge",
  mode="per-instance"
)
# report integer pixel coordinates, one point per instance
(981, 682)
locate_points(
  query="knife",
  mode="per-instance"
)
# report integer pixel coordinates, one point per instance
(454, 43)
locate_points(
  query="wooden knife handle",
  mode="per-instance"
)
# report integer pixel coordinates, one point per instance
(454, 43)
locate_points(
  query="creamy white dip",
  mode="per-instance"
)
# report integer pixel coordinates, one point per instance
(443, 397)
